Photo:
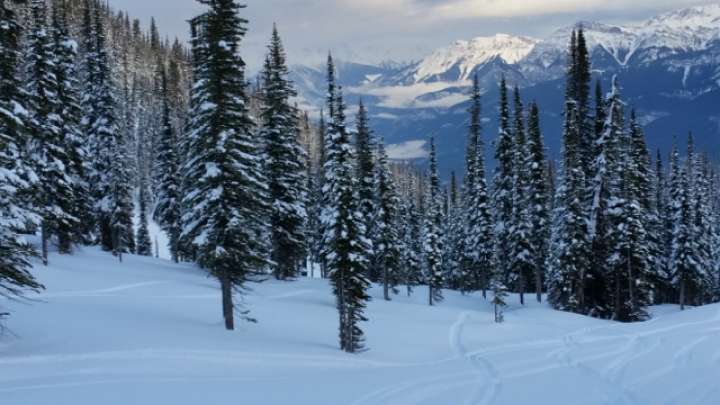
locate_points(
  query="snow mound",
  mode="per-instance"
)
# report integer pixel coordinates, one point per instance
(148, 332)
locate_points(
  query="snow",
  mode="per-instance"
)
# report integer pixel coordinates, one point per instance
(147, 331)
(467, 55)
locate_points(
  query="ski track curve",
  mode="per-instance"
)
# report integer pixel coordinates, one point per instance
(490, 383)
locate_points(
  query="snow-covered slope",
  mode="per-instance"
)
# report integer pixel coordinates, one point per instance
(150, 332)
(659, 39)
(459, 60)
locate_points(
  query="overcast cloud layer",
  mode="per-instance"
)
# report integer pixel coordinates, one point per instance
(401, 30)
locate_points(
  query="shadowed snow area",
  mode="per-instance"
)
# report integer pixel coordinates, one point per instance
(149, 332)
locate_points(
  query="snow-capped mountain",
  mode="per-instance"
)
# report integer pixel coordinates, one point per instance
(673, 39)
(668, 66)
(461, 59)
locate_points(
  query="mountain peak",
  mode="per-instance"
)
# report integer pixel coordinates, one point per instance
(465, 56)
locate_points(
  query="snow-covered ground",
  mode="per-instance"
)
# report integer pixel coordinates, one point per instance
(150, 332)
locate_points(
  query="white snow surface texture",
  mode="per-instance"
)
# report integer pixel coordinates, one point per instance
(150, 332)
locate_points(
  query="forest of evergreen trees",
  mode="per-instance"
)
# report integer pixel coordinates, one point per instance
(102, 123)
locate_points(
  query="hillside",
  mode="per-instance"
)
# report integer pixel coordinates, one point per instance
(148, 331)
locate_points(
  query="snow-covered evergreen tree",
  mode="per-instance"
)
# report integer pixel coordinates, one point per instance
(284, 165)
(167, 171)
(346, 245)
(54, 192)
(433, 237)
(68, 101)
(143, 243)
(411, 238)
(16, 175)
(521, 265)
(364, 149)
(686, 262)
(477, 254)
(224, 192)
(314, 238)
(538, 198)
(502, 196)
(387, 238)
(626, 259)
(569, 263)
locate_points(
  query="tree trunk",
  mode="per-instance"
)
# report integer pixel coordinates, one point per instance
(227, 301)
(430, 296)
(682, 294)
(522, 288)
(386, 287)
(44, 237)
(538, 285)
(618, 299)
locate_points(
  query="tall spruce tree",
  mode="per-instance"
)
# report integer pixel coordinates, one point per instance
(68, 102)
(284, 166)
(569, 263)
(364, 148)
(522, 257)
(477, 255)
(345, 242)
(167, 171)
(538, 198)
(387, 238)
(503, 186)
(224, 192)
(315, 197)
(433, 238)
(16, 175)
(54, 192)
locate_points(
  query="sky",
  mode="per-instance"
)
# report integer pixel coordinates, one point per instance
(372, 31)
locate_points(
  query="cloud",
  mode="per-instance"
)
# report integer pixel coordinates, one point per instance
(371, 31)
(407, 96)
(449, 9)
(407, 150)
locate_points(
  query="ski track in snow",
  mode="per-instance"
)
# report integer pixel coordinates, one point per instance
(103, 291)
(489, 384)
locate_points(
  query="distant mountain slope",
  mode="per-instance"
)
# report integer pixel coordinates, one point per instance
(668, 66)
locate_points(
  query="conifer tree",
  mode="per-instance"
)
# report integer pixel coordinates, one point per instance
(345, 242)
(16, 175)
(364, 148)
(68, 101)
(454, 238)
(224, 192)
(626, 259)
(477, 255)
(569, 262)
(571, 238)
(167, 171)
(315, 198)
(387, 240)
(285, 165)
(663, 233)
(521, 266)
(412, 244)
(686, 262)
(538, 196)
(142, 238)
(433, 238)
(54, 192)
(503, 186)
